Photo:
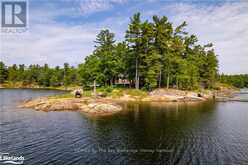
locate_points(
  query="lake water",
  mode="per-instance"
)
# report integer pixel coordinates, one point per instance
(206, 133)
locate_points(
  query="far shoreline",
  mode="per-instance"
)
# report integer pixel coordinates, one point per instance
(37, 87)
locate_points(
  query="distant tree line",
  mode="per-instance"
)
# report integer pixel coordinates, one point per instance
(239, 81)
(153, 54)
(39, 75)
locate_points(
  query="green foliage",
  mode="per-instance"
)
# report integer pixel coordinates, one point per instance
(153, 54)
(39, 75)
(239, 81)
(134, 40)
(135, 92)
(87, 93)
(108, 89)
(13, 73)
(105, 90)
(3, 72)
(117, 93)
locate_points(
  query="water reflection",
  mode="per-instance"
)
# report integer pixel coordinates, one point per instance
(155, 126)
(203, 133)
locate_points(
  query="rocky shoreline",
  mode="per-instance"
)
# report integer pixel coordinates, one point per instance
(109, 105)
(86, 105)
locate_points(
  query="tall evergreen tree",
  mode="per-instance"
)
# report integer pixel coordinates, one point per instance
(133, 38)
(105, 53)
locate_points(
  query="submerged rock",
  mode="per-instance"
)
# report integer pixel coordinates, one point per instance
(103, 107)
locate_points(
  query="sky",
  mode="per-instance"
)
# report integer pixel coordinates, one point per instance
(62, 31)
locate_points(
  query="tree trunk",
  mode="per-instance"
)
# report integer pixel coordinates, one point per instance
(168, 81)
(94, 89)
(136, 75)
(177, 83)
(159, 82)
(113, 81)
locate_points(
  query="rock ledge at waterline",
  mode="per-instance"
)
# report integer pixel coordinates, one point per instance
(111, 104)
(86, 105)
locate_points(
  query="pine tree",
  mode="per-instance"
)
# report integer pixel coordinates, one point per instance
(133, 38)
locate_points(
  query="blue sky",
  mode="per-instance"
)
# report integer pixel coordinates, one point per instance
(64, 30)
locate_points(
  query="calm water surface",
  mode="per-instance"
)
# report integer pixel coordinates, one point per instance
(207, 133)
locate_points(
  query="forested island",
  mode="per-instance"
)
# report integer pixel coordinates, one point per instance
(153, 54)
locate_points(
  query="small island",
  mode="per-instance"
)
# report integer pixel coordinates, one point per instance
(110, 103)
(156, 62)
(97, 82)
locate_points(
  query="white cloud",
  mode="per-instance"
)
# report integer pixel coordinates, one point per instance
(93, 6)
(49, 41)
(52, 44)
(224, 25)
